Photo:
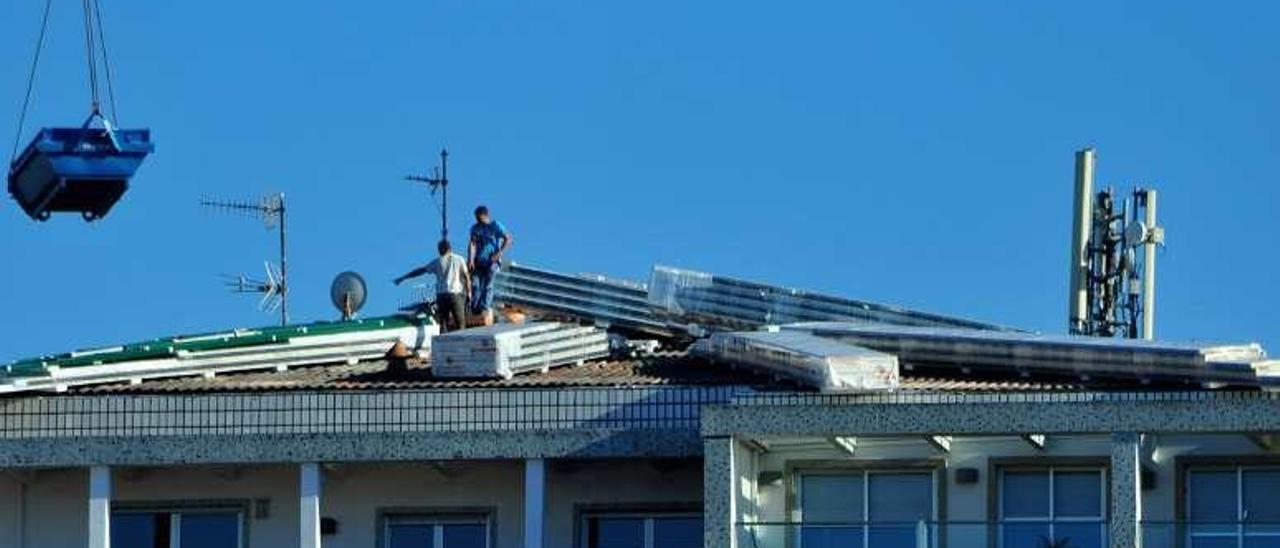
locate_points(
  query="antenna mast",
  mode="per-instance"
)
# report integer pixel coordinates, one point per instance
(270, 210)
(439, 180)
(1112, 288)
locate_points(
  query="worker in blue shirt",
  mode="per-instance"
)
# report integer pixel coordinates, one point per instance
(489, 241)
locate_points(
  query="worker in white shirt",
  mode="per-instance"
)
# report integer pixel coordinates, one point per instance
(453, 286)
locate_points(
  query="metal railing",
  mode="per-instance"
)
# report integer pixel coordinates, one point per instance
(1012, 534)
(809, 398)
(925, 534)
(663, 407)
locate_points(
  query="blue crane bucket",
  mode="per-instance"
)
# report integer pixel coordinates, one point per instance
(85, 169)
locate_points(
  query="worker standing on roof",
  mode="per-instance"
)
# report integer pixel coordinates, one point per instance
(453, 286)
(489, 240)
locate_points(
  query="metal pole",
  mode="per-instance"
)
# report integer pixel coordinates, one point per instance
(284, 270)
(1149, 267)
(1082, 221)
(444, 189)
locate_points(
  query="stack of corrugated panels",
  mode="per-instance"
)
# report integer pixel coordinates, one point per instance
(689, 297)
(501, 351)
(1076, 356)
(1268, 372)
(829, 365)
(210, 354)
(606, 302)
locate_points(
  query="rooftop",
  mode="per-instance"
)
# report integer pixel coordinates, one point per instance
(683, 328)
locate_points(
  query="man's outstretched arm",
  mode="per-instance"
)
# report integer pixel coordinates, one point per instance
(412, 274)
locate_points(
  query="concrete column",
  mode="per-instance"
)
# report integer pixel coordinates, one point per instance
(99, 507)
(535, 497)
(1126, 494)
(719, 500)
(309, 487)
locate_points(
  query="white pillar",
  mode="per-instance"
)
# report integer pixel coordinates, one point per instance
(719, 491)
(309, 505)
(535, 497)
(1126, 493)
(99, 507)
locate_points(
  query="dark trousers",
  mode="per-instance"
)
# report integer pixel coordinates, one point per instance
(451, 311)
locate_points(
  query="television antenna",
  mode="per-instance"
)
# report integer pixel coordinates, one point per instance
(275, 288)
(438, 180)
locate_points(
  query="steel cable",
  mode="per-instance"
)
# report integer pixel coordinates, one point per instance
(31, 78)
(91, 56)
(106, 64)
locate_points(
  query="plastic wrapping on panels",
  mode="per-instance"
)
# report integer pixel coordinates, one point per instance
(502, 351)
(669, 289)
(688, 297)
(828, 365)
(1073, 356)
(605, 302)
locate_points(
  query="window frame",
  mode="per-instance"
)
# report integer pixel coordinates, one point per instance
(176, 508)
(797, 469)
(436, 516)
(1238, 469)
(996, 509)
(646, 513)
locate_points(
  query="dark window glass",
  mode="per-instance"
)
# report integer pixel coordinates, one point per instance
(901, 498)
(684, 532)
(826, 536)
(1025, 535)
(1077, 494)
(1079, 535)
(1262, 542)
(1212, 496)
(831, 499)
(895, 536)
(615, 533)
(407, 535)
(139, 530)
(1025, 494)
(464, 535)
(1261, 496)
(210, 530)
(1215, 542)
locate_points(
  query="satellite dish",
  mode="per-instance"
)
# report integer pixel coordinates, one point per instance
(1136, 234)
(348, 293)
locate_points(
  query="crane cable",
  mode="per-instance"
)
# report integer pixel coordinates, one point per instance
(31, 78)
(91, 56)
(94, 36)
(106, 62)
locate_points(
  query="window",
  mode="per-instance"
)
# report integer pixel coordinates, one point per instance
(212, 527)
(869, 508)
(436, 531)
(1055, 506)
(642, 530)
(1233, 507)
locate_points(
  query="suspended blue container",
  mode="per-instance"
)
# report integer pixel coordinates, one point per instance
(85, 169)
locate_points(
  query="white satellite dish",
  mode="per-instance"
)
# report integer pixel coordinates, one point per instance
(348, 293)
(1136, 234)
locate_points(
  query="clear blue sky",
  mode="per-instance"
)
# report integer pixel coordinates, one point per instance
(909, 153)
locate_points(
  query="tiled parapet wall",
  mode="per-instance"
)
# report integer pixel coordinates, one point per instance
(1018, 413)
(340, 426)
(666, 407)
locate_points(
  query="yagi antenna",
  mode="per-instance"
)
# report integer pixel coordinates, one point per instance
(270, 287)
(439, 180)
(275, 288)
